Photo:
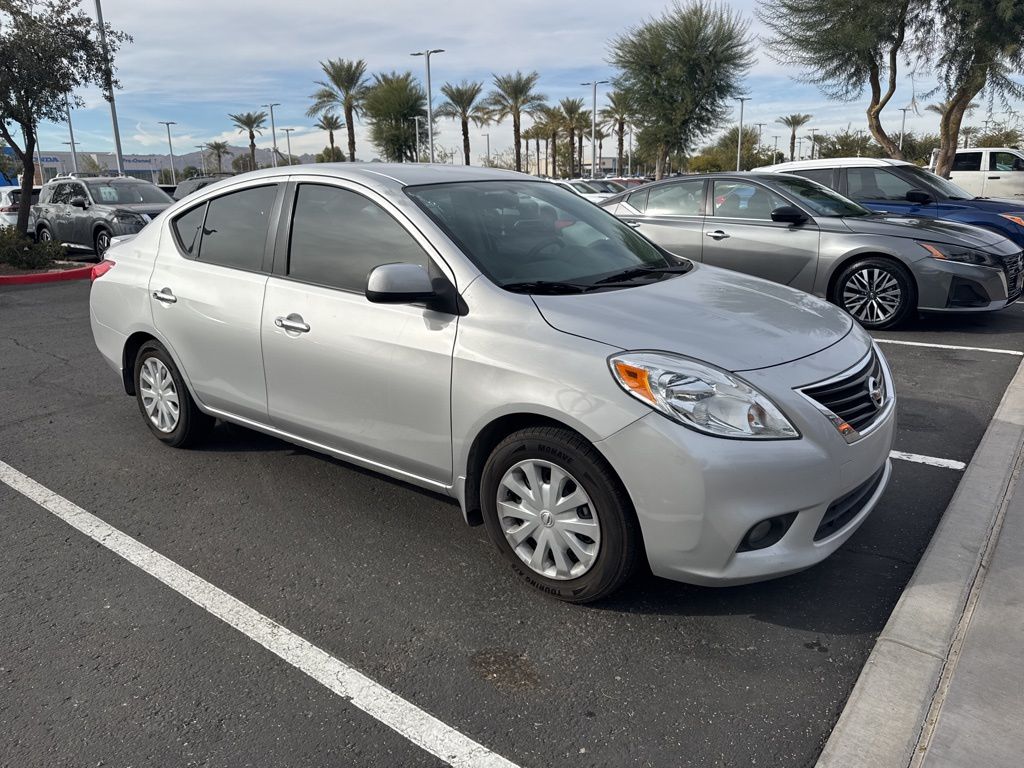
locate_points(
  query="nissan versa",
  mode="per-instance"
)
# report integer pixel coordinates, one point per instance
(588, 397)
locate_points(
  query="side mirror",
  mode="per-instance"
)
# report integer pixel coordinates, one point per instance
(918, 197)
(788, 214)
(79, 202)
(399, 284)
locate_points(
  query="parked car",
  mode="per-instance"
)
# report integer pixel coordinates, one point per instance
(990, 171)
(581, 188)
(900, 187)
(605, 186)
(195, 183)
(10, 197)
(87, 213)
(879, 268)
(584, 394)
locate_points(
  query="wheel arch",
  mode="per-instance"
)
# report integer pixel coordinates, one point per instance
(847, 260)
(132, 345)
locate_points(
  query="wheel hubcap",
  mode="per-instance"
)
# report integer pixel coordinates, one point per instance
(159, 395)
(872, 295)
(548, 519)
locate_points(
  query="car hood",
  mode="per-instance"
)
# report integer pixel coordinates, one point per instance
(725, 318)
(147, 209)
(992, 204)
(933, 230)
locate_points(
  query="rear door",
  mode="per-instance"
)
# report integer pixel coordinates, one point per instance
(968, 171)
(671, 214)
(57, 213)
(739, 234)
(1005, 177)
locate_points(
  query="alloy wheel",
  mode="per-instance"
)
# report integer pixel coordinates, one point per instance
(44, 235)
(159, 395)
(102, 242)
(548, 519)
(872, 295)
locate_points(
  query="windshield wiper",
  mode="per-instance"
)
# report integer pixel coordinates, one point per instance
(545, 286)
(629, 274)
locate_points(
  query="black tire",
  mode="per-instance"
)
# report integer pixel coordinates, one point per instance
(44, 235)
(193, 425)
(867, 313)
(101, 242)
(620, 538)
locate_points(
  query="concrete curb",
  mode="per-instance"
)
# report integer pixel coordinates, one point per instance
(888, 710)
(82, 273)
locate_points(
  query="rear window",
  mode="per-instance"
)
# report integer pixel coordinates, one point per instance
(235, 229)
(820, 175)
(188, 227)
(967, 161)
(15, 196)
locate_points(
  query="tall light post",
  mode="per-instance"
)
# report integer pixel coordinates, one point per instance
(202, 155)
(593, 126)
(71, 135)
(739, 136)
(109, 87)
(903, 127)
(774, 156)
(430, 105)
(273, 129)
(416, 119)
(170, 149)
(760, 129)
(488, 137)
(813, 143)
(288, 142)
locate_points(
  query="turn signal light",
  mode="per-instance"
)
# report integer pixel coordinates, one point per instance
(635, 379)
(99, 270)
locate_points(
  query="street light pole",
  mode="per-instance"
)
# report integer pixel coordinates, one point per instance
(202, 156)
(430, 104)
(775, 156)
(903, 127)
(593, 126)
(760, 129)
(813, 143)
(109, 87)
(416, 118)
(273, 129)
(71, 131)
(739, 136)
(288, 140)
(170, 149)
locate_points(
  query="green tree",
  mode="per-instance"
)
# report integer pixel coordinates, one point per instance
(330, 122)
(243, 163)
(550, 121)
(721, 155)
(345, 88)
(1000, 135)
(390, 105)
(573, 120)
(513, 96)
(681, 71)
(848, 143)
(464, 104)
(251, 123)
(218, 149)
(49, 50)
(615, 116)
(331, 154)
(794, 123)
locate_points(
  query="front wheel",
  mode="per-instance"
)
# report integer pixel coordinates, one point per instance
(102, 242)
(879, 293)
(164, 401)
(44, 235)
(558, 514)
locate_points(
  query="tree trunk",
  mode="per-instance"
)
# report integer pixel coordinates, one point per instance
(536, 145)
(572, 152)
(618, 160)
(330, 140)
(554, 155)
(949, 125)
(515, 137)
(351, 134)
(792, 146)
(465, 138)
(580, 165)
(659, 163)
(252, 150)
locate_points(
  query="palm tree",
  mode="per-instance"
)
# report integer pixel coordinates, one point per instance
(253, 122)
(344, 87)
(615, 116)
(464, 104)
(794, 123)
(218, 149)
(550, 121)
(330, 122)
(571, 111)
(513, 95)
(582, 128)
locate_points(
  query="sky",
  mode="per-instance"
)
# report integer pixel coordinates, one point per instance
(195, 61)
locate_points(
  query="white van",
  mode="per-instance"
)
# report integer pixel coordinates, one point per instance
(989, 171)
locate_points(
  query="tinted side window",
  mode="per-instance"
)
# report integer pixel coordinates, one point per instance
(188, 228)
(61, 194)
(821, 175)
(683, 198)
(876, 184)
(338, 236)
(76, 190)
(638, 200)
(739, 200)
(1004, 161)
(235, 231)
(967, 161)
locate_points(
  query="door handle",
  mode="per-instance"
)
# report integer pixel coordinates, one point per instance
(293, 323)
(165, 295)
(994, 177)
(633, 224)
(717, 234)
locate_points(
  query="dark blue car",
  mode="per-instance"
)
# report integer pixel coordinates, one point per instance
(900, 187)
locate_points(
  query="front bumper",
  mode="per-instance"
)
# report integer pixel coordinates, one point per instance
(697, 496)
(949, 286)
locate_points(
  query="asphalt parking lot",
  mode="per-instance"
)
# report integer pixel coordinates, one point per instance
(101, 664)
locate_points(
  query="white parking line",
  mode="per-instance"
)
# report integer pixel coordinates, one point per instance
(930, 460)
(950, 346)
(389, 708)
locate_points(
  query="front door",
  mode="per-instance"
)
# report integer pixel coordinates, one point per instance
(1005, 177)
(672, 215)
(369, 380)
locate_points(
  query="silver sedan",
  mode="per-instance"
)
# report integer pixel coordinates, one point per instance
(587, 396)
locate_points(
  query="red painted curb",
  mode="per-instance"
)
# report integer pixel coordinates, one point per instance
(82, 273)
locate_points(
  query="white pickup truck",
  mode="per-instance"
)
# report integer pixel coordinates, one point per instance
(989, 171)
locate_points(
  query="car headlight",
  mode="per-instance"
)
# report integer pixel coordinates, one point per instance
(961, 254)
(130, 219)
(1016, 218)
(700, 396)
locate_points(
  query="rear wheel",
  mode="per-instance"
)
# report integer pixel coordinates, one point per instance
(878, 292)
(101, 242)
(44, 235)
(164, 401)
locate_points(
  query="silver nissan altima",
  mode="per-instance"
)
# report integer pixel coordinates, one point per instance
(588, 397)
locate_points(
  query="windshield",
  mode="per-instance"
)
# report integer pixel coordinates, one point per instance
(932, 183)
(520, 233)
(602, 185)
(126, 192)
(821, 200)
(583, 187)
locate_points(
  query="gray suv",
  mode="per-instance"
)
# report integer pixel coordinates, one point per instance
(87, 213)
(879, 267)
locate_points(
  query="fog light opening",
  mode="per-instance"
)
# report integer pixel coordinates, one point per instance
(766, 533)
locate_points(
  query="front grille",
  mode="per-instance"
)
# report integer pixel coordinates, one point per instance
(845, 508)
(1012, 268)
(856, 398)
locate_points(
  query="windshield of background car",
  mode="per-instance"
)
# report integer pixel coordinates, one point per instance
(820, 200)
(126, 193)
(929, 182)
(523, 232)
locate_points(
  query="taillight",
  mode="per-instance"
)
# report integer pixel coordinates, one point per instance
(8, 209)
(99, 270)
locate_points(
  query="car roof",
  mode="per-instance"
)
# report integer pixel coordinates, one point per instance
(832, 162)
(59, 179)
(392, 174)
